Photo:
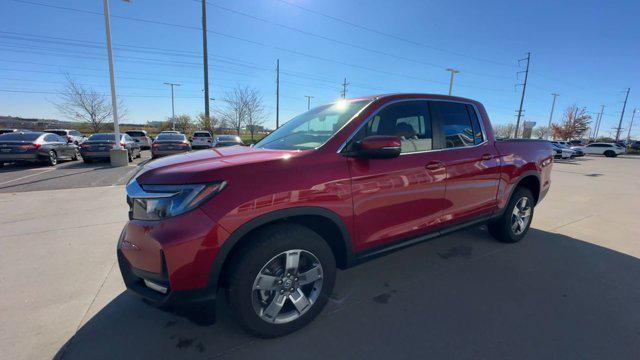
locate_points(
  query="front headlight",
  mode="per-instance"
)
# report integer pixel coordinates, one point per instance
(156, 202)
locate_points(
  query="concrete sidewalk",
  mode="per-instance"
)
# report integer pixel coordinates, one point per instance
(569, 290)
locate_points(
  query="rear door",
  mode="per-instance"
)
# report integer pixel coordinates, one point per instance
(399, 198)
(472, 162)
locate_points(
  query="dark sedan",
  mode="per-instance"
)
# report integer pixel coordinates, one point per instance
(169, 144)
(98, 146)
(35, 147)
(227, 140)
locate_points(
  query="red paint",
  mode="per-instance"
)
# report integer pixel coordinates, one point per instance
(379, 201)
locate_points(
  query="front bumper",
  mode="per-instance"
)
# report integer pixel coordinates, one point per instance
(176, 254)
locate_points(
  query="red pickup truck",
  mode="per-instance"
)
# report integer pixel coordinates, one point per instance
(334, 186)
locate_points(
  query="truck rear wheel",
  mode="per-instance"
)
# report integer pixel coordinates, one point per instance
(514, 223)
(280, 280)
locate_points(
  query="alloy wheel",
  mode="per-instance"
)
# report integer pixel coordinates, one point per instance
(521, 215)
(287, 286)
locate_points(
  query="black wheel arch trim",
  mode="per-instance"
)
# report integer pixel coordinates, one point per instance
(238, 234)
(522, 176)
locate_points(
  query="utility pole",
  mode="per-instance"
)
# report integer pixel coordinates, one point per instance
(633, 115)
(453, 71)
(277, 93)
(344, 88)
(308, 101)
(524, 88)
(173, 107)
(205, 58)
(599, 121)
(553, 106)
(622, 115)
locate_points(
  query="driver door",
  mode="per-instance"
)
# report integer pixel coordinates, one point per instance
(398, 198)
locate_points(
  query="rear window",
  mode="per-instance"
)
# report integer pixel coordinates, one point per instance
(201, 134)
(136, 133)
(18, 136)
(57, 132)
(228, 138)
(171, 137)
(103, 137)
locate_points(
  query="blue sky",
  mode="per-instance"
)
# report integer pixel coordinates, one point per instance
(585, 50)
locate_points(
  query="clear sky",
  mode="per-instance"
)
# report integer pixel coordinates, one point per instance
(587, 51)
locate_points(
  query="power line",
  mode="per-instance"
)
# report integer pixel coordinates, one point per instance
(392, 36)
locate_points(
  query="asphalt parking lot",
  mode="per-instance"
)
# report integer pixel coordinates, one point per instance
(569, 290)
(66, 175)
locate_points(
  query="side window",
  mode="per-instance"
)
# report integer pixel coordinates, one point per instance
(52, 138)
(408, 120)
(127, 137)
(455, 123)
(475, 123)
(75, 133)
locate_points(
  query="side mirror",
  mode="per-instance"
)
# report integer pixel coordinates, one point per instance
(377, 147)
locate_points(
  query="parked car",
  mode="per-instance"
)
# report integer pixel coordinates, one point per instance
(169, 144)
(606, 149)
(5, 131)
(71, 135)
(561, 152)
(141, 137)
(201, 140)
(36, 147)
(227, 140)
(635, 145)
(334, 186)
(98, 146)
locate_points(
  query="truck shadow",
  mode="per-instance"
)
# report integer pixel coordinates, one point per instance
(461, 296)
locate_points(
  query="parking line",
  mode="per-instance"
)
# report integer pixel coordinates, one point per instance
(27, 176)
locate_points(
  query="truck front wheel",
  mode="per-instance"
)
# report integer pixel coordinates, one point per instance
(280, 280)
(514, 223)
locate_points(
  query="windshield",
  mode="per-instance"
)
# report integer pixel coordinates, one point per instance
(136, 133)
(312, 128)
(57, 132)
(201, 134)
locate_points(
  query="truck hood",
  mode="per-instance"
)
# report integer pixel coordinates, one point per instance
(200, 166)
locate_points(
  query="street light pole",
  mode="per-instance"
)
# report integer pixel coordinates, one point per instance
(553, 105)
(453, 71)
(116, 154)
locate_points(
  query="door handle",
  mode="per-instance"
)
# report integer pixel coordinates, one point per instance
(434, 165)
(487, 157)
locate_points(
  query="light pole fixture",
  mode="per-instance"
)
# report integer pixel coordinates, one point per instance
(453, 71)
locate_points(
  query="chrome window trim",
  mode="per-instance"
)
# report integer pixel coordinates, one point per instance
(475, 108)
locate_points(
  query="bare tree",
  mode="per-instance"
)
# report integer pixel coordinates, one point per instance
(540, 132)
(183, 123)
(504, 131)
(235, 111)
(84, 104)
(575, 124)
(255, 113)
(209, 124)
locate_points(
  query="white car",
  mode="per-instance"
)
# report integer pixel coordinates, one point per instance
(562, 152)
(606, 149)
(201, 140)
(140, 136)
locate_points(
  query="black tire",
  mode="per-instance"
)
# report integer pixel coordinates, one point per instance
(129, 156)
(139, 154)
(76, 155)
(52, 160)
(501, 229)
(260, 249)
(610, 153)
